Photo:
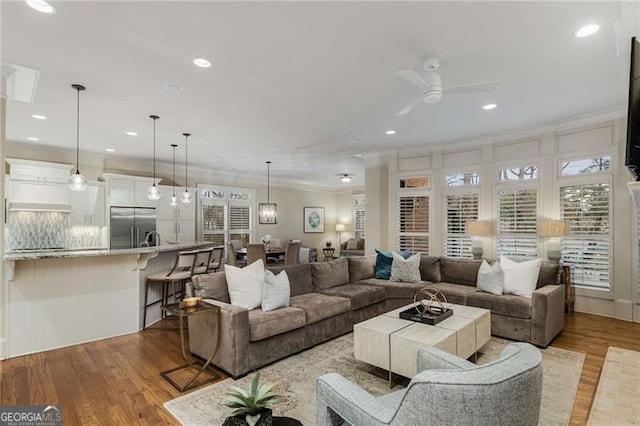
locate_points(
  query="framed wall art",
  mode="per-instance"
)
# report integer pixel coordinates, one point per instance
(313, 218)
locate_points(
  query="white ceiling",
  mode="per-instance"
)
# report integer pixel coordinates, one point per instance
(295, 82)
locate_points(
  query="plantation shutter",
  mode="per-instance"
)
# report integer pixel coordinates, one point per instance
(587, 247)
(213, 228)
(359, 221)
(413, 223)
(239, 223)
(517, 223)
(459, 210)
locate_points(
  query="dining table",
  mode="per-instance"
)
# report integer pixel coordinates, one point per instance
(272, 253)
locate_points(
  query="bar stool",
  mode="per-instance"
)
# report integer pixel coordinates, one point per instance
(181, 272)
(216, 259)
(203, 258)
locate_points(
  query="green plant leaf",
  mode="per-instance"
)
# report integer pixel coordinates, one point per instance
(237, 390)
(254, 383)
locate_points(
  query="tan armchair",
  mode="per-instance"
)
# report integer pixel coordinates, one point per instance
(347, 248)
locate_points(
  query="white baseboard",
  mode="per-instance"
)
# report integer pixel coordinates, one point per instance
(3, 349)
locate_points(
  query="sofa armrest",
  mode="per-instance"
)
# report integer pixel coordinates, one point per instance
(233, 352)
(547, 314)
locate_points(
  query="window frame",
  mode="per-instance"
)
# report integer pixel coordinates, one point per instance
(458, 191)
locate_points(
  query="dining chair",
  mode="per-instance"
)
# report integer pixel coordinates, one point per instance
(216, 259)
(291, 253)
(237, 244)
(275, 243)
(256, 252)
(232, 259)
(181, 272)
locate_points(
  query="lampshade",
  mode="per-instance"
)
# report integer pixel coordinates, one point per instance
(153, 193)
(77, 182)
(185, 197)
(339, 227)
(479, 228)
(553, 228)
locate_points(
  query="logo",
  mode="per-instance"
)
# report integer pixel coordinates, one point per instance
(30, 415)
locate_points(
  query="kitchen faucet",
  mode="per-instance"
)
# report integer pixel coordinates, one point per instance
(147, 239)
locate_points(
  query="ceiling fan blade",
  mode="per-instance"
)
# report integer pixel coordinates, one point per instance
(413, 78)
(485, 86)
(409, 107)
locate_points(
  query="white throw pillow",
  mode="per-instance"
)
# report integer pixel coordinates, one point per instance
(520, 278)
(405, 270)
(275, 291)
(491, 278)
(245, 284)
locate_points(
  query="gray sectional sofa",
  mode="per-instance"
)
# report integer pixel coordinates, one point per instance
(327, 298)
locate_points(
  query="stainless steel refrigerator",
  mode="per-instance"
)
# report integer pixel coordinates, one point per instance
(131, 225)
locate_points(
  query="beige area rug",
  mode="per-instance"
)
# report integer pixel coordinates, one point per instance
(617, 400)
(296, 378)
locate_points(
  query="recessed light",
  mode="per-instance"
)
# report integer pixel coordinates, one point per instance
(173, 86)
(39, 117)
(202, 62)
(33, 139)
(41, 6)
(131, 133)
(488, 107)
(110, 150)
(390, 132)
(587, 30)
(354, 140)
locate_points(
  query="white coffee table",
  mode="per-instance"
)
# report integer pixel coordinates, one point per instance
(391, 343)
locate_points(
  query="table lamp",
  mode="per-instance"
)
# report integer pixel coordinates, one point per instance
(478, 228)
(339, 230)
(553, 229)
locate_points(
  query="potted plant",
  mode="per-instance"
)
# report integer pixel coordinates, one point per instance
(251, 407)
(266, 240)
(328, 244)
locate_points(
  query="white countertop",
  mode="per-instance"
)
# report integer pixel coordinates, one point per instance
(51, 254)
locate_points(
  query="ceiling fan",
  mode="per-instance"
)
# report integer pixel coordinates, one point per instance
(431, 84)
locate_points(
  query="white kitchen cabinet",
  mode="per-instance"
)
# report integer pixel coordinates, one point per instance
(38, 171)
(174, 230)
(127, 191)
(87, 207)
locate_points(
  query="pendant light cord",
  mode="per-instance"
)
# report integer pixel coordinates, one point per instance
(268, 180)
(78, 134)
(186, 161)
(174, 168)
(154, 152)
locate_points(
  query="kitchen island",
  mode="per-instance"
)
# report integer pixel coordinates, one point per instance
(57, 298)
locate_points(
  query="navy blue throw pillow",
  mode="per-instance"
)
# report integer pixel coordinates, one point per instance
(384, 260)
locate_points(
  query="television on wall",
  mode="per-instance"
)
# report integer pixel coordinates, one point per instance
(632, 160)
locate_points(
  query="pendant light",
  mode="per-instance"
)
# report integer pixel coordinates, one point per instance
(77, 182)
(153, 193)
(173, 202)
(185, 197)
(268, 212)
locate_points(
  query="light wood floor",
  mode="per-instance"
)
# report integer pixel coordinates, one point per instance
(117, 381)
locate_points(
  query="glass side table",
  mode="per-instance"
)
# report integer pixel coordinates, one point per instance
(178, 309)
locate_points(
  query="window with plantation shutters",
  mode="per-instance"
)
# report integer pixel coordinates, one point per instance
(587, 246)
(213, 220)
(517, 222)
(413, 223)
(358, 216)
(459, 210)
(240, 223)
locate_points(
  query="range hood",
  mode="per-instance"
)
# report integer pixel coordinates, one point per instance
(39, 207)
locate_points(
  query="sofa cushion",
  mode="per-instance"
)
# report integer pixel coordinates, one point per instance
(245, 284)
(520, 278)
(360, 295)
(508, 305)
(430, 268)
(361, 268)
(211, 286)
(329, 274)
(266, 324)
(384, 261)
(455, 293)
(299, 277)
(491, 278)
(405, 270)
(275, 291)
(549, 274)
(320, 306)
(459, 271)
(396, 290)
